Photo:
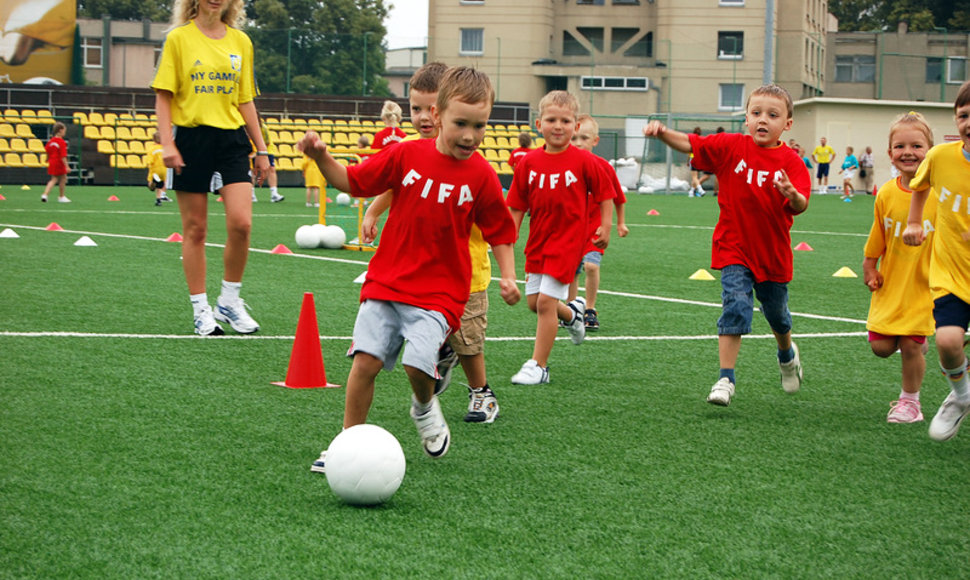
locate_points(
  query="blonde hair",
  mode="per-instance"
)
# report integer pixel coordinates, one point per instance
(773, 90)
(57, 128)
(185, 10)
(465, 84)
(588, 119)
(391, 113)
(559, 99)
(914, 120)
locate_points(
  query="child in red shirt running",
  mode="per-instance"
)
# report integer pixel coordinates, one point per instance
(763, 185)
(57, 166)
(525, 145)
(419, 279)
(553, 184)
(391, 133)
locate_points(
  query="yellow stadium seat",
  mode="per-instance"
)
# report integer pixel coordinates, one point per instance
(126, 119)
(80, 117)
(505, 169)
(108, 132)
(286, 150)
(122, 147)
(139, 134)
(92, 132)
(110, 119)
(272, 121)
(284, 137)
(136, 147)
(7, 131)
(4, 146)
(341, 139)
(285, 164)
(135, 161)
(491, 155)
(24, 131)
(46, 117)
(105, 146)
(28, 115)
(18, 145)
(118, 161)
(35, 145)
(503, 143)
(495, 166)
(123, 133)
(12, 114)
(489, 143)
(12, 160)
(31, 160)
(96, 118)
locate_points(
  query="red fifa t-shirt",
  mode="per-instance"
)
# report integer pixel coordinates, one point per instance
(423, 258)
(557, 190)
(387, 136)
(517, 154)
(754, 226)
(595, 216)
(56, 150)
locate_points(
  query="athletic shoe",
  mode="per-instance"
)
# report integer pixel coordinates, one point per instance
(158, 202)
(904, 411)
(166, 198)
(447, 360)
(592, 322)
(234, 312)
(319, 466)
(482, 406)
(277, 198)
(721, 392)
(43, 199)
(531, 374)
(63, 199)
(254, 197)
(577, 328)
(435, 436)
(308, 204)
(946, 423)
(206, 325)
(791, 372)
(700, 191)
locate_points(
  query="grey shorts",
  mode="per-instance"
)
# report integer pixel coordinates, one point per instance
(383, 328)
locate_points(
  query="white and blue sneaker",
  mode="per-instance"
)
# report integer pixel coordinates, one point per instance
(447, 360)
(482, 406)
(531, 374)
(577, 327)
(320, 465)
(433, 429)
(205, 323)
(234, 312)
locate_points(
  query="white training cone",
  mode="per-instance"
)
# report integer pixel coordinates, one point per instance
(360, 279)
(85, 241)
(8, 233)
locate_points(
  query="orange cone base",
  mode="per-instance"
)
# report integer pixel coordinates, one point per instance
(113, 198)
(306, 360)
(281, 249)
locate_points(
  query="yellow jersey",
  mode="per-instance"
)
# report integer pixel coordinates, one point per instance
(311, 173)
(208, 78)
(268, 139)
(155, 162)
(947, 172)
(904, 304)
(823, 154)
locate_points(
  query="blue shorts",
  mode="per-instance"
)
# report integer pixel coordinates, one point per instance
(383, 328)
(822, 170)
(738, 289)
(591, 257)
(951, 311)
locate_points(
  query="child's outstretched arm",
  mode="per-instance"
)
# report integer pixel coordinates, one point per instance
(505, 257)
(621, 219)
(601, 238)
(914, 234)
(316, 149)
(871, 275)
(797, 202)
(674, 139)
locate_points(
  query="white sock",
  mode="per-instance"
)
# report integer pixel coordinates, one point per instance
(421, 408)
(199, 303)
(904, 396)
(959, 381)
(274, 191)
(230, 290)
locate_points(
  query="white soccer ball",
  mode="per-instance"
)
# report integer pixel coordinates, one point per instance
(365, 465)
(343, 199)
(319, 230)
(306, 237)
(333, 237)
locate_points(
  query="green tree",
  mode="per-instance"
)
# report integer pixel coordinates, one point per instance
(921, 15)
(154, 10)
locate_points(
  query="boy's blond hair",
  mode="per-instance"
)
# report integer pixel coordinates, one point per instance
(427, 78)
(914, 120)
(963, 97)
(185, 10)
(464, 84)
(588, 119)
(773, 90)
(391, 112)
(562, 99)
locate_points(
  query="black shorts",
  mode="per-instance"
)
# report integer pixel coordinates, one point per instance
(213, 158)
(949, 310)
(822, 171)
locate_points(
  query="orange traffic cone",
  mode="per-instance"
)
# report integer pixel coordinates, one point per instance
(306, 360)
(54, 227)
(875, 190)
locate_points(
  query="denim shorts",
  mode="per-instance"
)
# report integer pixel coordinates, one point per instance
(591, 257)
(738, 290)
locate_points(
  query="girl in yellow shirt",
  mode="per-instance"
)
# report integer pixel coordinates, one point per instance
(901, 310)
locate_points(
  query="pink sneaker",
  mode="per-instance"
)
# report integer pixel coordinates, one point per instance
(904, 411)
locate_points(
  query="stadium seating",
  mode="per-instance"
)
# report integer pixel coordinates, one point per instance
(12, 160)
(18, 145)
(32, 160)
(35, 146)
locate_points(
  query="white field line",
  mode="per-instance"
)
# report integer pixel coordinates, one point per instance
(13, 334)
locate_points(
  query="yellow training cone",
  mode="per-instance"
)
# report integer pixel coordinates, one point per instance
(701, 274)
(25, 187)
(844, 272)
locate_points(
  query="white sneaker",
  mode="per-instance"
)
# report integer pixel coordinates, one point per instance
(63, 199)
(320, 465)
(435, 436)
(234, 312)
(721, 392)
(43, 198)
(946, 423)
(482, 406)
(206, 325)
(254, 197)
(447, 360)
(577, 328)
(700, 191)
(531, 374)
(277, 198)
(791, 372)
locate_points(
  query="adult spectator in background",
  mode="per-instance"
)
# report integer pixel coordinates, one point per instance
(866, 167)
(823, 155)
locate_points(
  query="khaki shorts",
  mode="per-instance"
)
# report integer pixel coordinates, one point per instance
(469, 340)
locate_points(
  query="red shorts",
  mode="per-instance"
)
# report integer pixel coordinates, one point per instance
(874, 336)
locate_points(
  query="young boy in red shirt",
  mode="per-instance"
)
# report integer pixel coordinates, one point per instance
(553, 184)
(57, 167)
(763, 185)
(525, 146)
(419, 279)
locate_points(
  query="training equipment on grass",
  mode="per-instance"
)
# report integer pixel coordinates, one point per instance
(306, 359)
(25, 187)
(306, 237)
(281, 249)
(8, 233)
(54, 227)
(343, 199)
(701, 274)
(318, 232)
(2, 198)
(803, 247)
(365, 465)
(653, 212)
(113, 198)
(333, 237)
(175, 237)
(844, 272)
(85, 241)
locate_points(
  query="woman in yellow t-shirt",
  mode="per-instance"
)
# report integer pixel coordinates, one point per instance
(204, 90)
(901, 310)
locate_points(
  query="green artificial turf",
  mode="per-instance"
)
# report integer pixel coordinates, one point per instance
(131, 449)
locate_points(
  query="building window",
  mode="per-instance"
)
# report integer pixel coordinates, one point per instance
(730, 45)
(626, 2)
(730, 2)
(855, 68)
(593, 35)
(91, 47)
(956, 70)
(934, 69)
(472, 41)
(729, 97)
(571, 46)
(471, 2)
(642, 48)
(590, 2)
(598, 83)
